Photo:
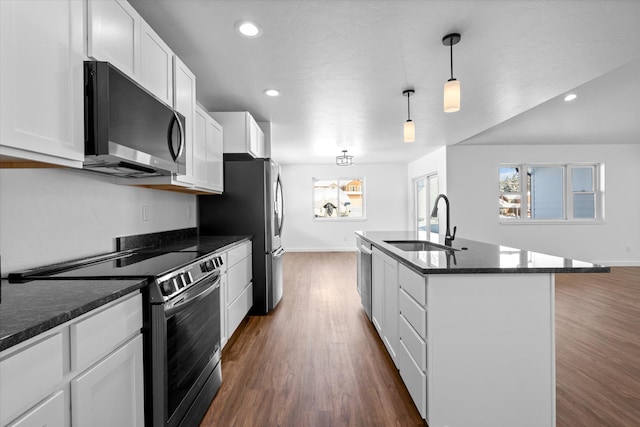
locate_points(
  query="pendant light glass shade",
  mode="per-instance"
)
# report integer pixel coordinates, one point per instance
(409, 126)
(452, 96)
(452, 86)
(409, 131)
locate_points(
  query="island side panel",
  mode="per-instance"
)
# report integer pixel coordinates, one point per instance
(492, 350)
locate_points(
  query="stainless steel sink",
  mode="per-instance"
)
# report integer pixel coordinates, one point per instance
(419, 246)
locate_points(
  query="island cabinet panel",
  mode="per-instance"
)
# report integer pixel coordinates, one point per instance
(385, 301)
(491, 350)
(414, 313)
(414, 379)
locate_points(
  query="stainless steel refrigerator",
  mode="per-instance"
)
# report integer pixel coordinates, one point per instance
(251, 204)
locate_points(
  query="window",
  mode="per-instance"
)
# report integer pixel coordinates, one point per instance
(570, 192)
(339, 198)
(426, 191)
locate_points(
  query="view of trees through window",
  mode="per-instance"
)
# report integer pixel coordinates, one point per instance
(338, 198)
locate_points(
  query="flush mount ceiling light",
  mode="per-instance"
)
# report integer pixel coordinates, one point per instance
(272, 92)
(248, 29)
(409, 126)
(452, 86)
(344, 160)
(570, 97)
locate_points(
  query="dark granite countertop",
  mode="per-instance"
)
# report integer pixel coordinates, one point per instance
(29, 309)
(477, 258)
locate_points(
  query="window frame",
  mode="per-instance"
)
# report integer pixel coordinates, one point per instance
(338, 180)
(567, 196)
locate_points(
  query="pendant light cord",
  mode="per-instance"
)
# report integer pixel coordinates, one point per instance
(451, 55)
(408, 107)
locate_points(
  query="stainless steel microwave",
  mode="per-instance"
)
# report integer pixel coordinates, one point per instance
(128, 131)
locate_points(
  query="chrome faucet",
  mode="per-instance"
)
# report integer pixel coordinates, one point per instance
(448, 238)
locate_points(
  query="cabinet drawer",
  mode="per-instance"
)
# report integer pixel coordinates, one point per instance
(238, 253)
(238, 277)
(238, 309)
(414, 379)
(98, 335)
(414, 284)
(414, 313)
(413, 342)
(30, 375)
(50, 413)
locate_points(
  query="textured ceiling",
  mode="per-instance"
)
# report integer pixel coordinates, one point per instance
(342, 66)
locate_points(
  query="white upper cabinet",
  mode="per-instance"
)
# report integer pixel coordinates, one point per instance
(184, 101)
(113, 34)
(242, 135)
(156, 65)
(207, 155)
(42, 102)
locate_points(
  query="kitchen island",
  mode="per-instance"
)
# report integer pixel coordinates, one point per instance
(469, 326)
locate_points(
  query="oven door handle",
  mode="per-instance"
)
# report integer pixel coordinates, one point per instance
(185, 300)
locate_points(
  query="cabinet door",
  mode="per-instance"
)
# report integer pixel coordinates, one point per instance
(156, 64)
(223, 311)
(113, 34)
(41, 78)
(111, 392)
(377, 291)
(50, 413)
(215, 163)
(184, 98)
(200, 167)
(391, 313)
(255, 145)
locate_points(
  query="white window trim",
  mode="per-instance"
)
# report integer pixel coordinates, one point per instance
(339, 218)
(568, 218)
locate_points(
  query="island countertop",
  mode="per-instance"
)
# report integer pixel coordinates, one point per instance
(473, 257)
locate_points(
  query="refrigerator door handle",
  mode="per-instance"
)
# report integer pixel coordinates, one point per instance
(279, 252)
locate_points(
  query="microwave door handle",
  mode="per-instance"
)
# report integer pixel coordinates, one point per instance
(175, 119)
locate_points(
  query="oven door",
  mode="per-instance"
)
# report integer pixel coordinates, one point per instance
(189, 325)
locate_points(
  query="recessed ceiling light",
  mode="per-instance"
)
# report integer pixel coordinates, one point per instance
(248, 29)
(570, 97)
(272, 92)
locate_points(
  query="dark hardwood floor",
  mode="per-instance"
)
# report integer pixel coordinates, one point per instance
(598, 348)
(317, 360)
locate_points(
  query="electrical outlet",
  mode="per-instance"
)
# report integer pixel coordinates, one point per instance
(145, 212)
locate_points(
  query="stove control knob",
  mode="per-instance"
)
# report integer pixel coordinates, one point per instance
(210, 266)
(203, 267)
(166, 287)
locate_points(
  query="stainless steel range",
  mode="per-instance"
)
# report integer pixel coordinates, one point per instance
(183, 368)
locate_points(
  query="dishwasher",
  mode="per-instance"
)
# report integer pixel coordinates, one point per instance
(364, 273)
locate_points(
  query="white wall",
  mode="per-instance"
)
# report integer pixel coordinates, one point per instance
(385, 198)
(472, 188)
(435, 162)
(52, 215)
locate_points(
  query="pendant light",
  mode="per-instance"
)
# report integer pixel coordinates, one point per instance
(344, 160)
(452, 86)
(409, 126)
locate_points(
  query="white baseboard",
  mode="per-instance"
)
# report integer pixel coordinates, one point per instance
(628, 263)
(321, 249)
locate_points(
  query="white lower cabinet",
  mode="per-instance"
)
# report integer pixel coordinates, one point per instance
(49, 413)
(385, 300)
(111, 393)
(63, 378)
(239, 290)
